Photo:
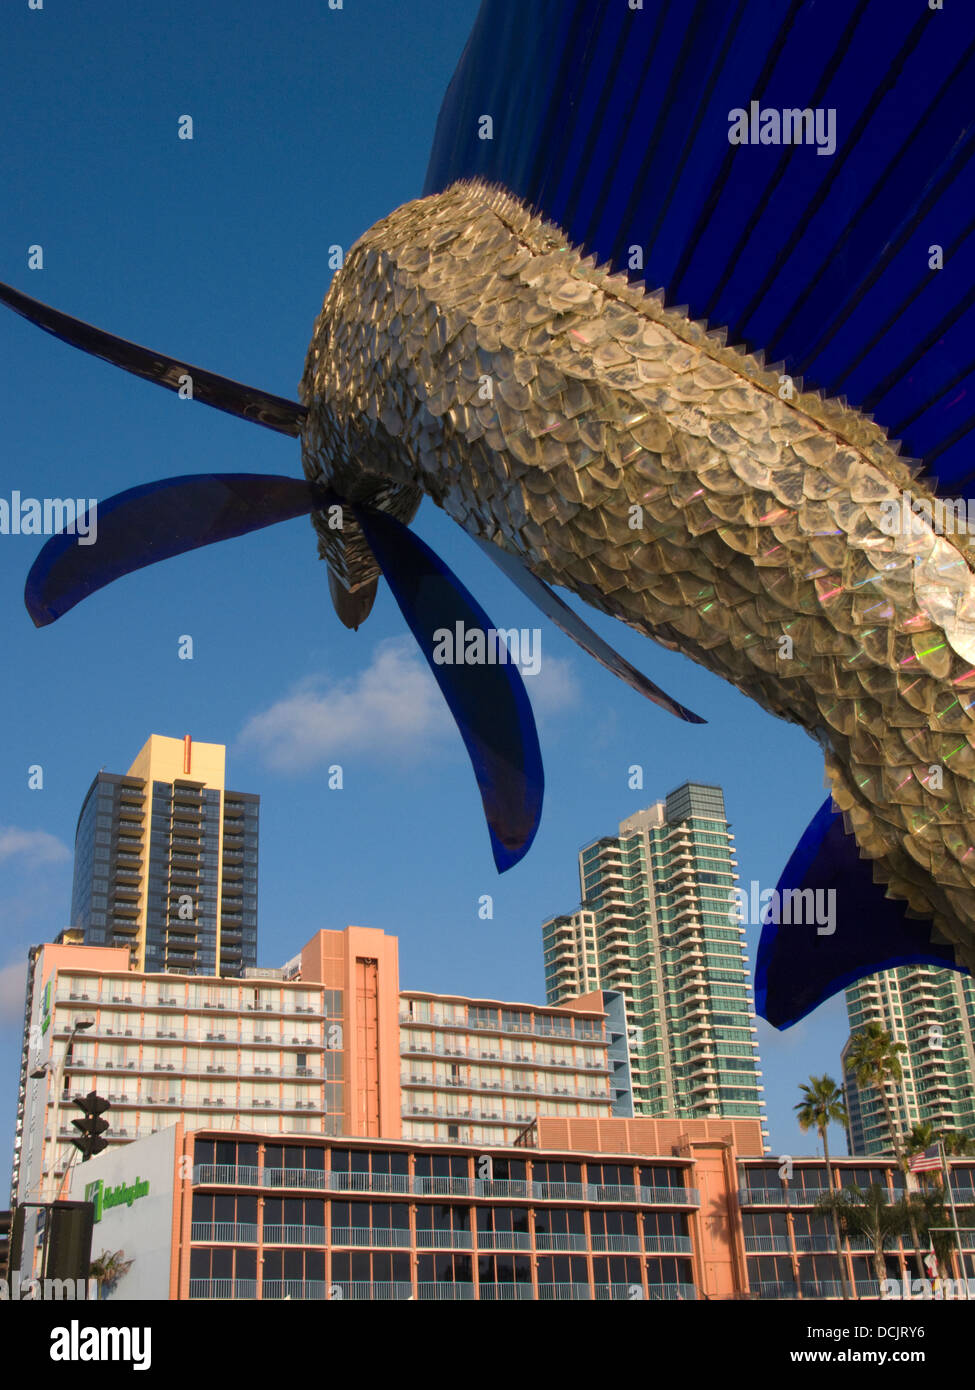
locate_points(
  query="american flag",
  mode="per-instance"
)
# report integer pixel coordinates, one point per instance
(925, 1162)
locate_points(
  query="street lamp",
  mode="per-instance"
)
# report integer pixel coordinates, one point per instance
(44, 1070)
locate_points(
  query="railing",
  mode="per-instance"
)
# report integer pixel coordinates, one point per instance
(371, 1236)
(444, 1240)
(602, 1243)
(560, 1240)
(768, 1289)
(667, 1245)
(579, 1293)
(816, 1243)
(361, 1289)
(295, 1235)
(223, 1288)
(780, 1196)
(675, 1293)
(444, 1291)
(294, 1288)
(369, 1182)
(504, 1240)
(534, 1030)
(767, 1245)
(317, 1179)
(244, 1233)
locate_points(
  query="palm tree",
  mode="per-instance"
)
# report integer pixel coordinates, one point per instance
(932, 1217)
(870, 1215)
(958, 1144)
(108, 1269)
(874, 1061)
(822, 1105)
(921, 1137)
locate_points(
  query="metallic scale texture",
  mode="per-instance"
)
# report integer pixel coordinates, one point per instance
(761, 516)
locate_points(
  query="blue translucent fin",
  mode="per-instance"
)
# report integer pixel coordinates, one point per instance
(614, 123)
(799, 965)
(569, 622)
(489, 702)
(153, 522)
(246, 402)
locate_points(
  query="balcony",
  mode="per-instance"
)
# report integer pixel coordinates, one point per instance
(212, 1232)
(444, 1240)
(295, 1235)
(223, 1288)
(391, 1237)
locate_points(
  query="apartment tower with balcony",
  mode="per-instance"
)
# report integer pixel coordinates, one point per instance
(932, 1012)
(655, 925)
(166, 862)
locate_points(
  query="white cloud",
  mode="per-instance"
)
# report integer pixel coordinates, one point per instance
(393, 707)
(554, 688)
(13, 983)
(35, 846)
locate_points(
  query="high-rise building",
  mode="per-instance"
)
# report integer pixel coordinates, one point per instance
(656, 926)
(931, 1011)
(166, 862)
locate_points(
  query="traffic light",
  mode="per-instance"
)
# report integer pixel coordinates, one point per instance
(92, 1127)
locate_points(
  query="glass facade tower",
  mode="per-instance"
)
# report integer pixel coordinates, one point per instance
(166, 862)
(655, 923)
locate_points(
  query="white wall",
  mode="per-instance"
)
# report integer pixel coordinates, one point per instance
(144, 1229)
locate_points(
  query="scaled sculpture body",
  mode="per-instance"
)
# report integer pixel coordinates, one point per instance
(762, 516)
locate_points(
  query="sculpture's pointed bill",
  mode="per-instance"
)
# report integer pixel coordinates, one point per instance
(155, 521)
(489, 702)
(569, 622)
(834, 926)
(233, 397)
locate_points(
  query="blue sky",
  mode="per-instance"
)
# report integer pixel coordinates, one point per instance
(310, 124)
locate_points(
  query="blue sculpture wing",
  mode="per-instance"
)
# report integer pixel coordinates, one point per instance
(614, 122)
(840, 928)
(233, 397)
(153, 522)
(489, 702)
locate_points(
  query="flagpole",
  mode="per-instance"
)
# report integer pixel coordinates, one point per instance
(946, 1179)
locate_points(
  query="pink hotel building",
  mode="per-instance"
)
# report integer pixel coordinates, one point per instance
(315, 1132)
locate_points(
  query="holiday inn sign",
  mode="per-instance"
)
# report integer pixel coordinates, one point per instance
(122, 1195)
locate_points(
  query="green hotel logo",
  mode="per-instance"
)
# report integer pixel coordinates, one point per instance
(46, 1007)
(122, 1195)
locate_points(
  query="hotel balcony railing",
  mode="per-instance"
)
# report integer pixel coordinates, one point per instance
(769, 1289)
(223, 1288)
(225, 1174)
(767, 1245)
(665, 1245)
(603, 1244)
(538, 1029)
(504, 1240)
(498, 1293)
(295, 1235)
(444, 1291)
(241, 1233)
(379, 1290)
(817, 1244)
(780, 1197)
(294, 1288)
(560, 1240)
(444, 1240)
(371, 1236)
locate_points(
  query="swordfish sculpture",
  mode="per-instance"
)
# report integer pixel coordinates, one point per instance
(488, 346)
